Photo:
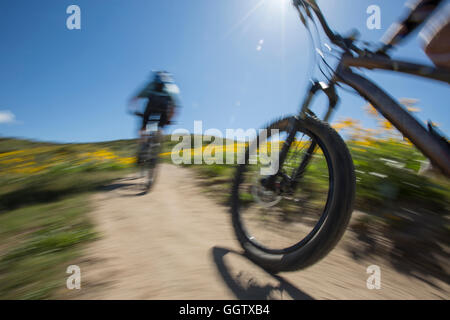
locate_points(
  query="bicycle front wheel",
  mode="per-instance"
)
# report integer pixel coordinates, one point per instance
(299, 218)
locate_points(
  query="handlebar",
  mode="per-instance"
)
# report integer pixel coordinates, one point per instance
(307, 7)
(140, 114)
(135, 113)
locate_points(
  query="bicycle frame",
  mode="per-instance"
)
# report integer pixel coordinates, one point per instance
(428, 142)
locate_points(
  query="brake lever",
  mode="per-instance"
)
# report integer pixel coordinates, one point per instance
(354, 35)
(136, 113)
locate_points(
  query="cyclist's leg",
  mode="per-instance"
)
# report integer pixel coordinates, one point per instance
(436, 37)
(149, 110)
(142, 133)
(163, 119)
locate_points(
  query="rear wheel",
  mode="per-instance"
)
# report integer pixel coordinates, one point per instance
(148, 160)
(285, 226)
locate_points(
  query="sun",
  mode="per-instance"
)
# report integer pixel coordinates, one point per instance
(278, 4)
(272, 7)
(277, 7)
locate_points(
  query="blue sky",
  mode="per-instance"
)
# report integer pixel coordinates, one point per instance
(73, 85)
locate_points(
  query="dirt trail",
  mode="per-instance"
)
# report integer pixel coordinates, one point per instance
(177, 243)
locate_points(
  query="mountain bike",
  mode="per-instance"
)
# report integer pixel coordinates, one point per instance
(149, 147)
(291, 219)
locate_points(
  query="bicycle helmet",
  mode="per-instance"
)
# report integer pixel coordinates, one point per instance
(162, 77)
(165, 80)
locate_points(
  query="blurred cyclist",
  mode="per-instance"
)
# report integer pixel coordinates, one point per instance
(435, 35)
(162, 99)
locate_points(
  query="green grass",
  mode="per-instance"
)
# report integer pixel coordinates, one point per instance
(400, 185)
(38, 242)
(43, 216)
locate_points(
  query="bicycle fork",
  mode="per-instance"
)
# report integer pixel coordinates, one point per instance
(330, 91)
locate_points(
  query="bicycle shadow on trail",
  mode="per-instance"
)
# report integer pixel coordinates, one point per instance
(245, 286)
(126, 187)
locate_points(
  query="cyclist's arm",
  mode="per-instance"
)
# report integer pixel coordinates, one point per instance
(144, 93)
(417, 14)
(132, 105)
